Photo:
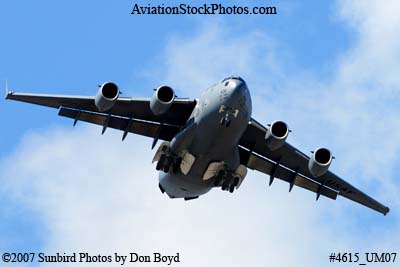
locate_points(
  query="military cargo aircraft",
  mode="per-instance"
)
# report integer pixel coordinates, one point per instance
(207, 142)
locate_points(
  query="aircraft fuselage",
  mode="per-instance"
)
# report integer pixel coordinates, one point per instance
(211, 134)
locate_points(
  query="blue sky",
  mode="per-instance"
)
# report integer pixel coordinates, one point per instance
(98, 40)
(329, 69)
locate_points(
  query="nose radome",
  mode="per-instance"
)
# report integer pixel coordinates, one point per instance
(233, 83)
(236, 86)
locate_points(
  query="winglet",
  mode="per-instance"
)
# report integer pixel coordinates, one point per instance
(8, 92)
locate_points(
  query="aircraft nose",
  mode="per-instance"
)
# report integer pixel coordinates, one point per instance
(236, 87)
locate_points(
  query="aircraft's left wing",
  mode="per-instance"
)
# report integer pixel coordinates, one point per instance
(128, 114)
(291, 165)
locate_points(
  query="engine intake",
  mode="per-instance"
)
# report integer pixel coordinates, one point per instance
(106, 96)
(276, 135)
(319, 162)
(162, 100)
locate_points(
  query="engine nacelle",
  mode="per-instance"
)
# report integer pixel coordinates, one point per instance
(106, 96)
(276, 135)
(162, 100)
(319, 162)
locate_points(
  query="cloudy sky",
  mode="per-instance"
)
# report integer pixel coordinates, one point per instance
(330, 70)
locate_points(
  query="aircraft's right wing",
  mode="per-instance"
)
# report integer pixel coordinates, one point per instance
(291, 165)
(128, 114)
(137, 108)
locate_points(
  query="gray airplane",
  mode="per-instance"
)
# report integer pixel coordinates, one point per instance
(207, 142)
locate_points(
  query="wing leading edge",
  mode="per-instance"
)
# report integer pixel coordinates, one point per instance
(139, 108)
(291, 165)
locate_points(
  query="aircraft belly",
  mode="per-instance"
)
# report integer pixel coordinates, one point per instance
(205, 150)
(190, 185)
(183, 186)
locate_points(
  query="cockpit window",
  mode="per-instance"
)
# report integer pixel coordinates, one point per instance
(232, 78)
(237, 78)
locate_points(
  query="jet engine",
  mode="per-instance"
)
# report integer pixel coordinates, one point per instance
(319, 162)
(106, 96)
(162, 100)
(276, 135)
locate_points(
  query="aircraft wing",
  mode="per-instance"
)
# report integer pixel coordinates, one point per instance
(291, 165)
(128, 114)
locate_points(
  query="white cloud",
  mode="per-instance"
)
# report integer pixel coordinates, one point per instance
(376, 57)
(97, 194)
(216, 51)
